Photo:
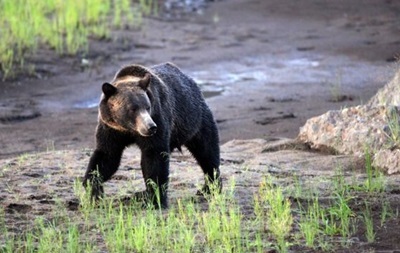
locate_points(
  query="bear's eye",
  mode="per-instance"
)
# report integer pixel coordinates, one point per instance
(148, 108)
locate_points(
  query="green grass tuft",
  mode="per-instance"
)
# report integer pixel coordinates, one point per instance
(65, 26)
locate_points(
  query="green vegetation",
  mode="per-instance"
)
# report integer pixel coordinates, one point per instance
(277, 218)
(369, 224)
(309, 224)
(63, 25)
(293, 216)
(393, 124)
(336, 89)
(375, 182)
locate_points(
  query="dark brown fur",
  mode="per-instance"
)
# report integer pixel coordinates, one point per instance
(158, 109)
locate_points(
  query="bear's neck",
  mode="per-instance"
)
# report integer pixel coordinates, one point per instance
(110, 123)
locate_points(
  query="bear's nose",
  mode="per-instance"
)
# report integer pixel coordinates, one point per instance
(152, 130)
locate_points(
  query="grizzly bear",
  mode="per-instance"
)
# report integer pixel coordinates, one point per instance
(158, 109)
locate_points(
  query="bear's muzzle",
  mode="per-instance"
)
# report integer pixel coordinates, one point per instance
(145, 124)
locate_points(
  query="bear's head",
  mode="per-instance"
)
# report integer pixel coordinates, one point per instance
(126, 105)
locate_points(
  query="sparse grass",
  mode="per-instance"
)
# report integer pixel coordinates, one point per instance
(4, 169)
(278, 218)
(375, 182)
(149, 7)
(50, 145)
(65, 26)
(393, 127)
(385, 213)
(369, 224)
(86, 204)
(3, 228)
(337, 218)
(317, 221)
(335, 88)
(22, 159)
(309, 223)
(341, 215)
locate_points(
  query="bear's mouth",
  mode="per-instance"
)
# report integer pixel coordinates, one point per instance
(152, 130)
(148, 132)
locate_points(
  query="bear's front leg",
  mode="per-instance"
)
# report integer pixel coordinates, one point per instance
(101, 167)
(105, 160)
(155, 168)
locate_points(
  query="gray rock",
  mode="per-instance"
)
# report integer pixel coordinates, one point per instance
(389, 94)
(388, 160)
(373, 127)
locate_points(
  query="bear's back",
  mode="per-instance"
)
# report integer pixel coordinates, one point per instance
(183, 89)
(186, 99)
(174, 78)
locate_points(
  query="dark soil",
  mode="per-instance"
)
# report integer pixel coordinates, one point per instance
(42, 185)
(265, 66)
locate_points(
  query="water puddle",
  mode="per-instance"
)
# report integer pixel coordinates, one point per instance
(228, 77)
(91, 103)
(213, 85)
(173, 9)
(222, 76)
(256, 71)
(302, 62)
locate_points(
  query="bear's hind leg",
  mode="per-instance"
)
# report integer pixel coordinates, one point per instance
(205, 148)
(155, 168)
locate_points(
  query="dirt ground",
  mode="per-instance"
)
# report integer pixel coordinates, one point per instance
(266, 66)
(42, 185)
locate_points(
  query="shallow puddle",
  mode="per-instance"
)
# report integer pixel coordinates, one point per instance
(175, 9)
(297, 69)
(229, 77)
(187, 5)
(87, 104)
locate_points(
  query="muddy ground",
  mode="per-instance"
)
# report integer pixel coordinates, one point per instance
(42, 185)
(265, 67)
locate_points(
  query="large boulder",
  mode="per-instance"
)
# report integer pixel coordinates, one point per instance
(373, 127)
(389, 95)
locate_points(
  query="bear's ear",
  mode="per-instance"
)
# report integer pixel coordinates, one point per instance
(108, 89)
(144, 83)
